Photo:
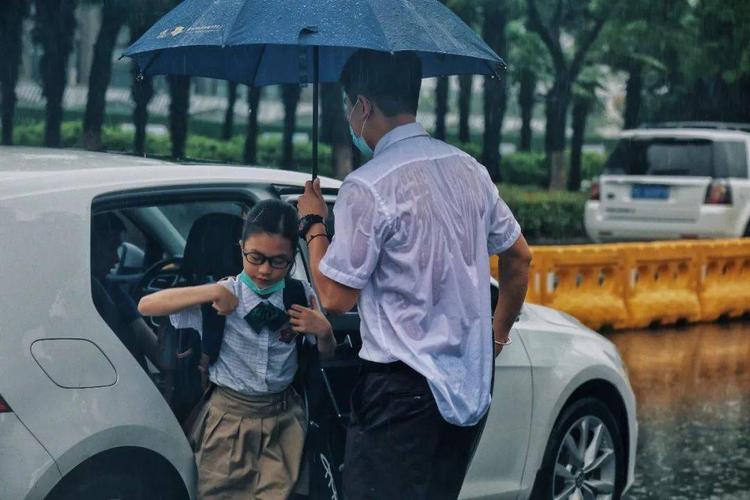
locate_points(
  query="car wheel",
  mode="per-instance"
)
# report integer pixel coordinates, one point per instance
(585, 456)
(103, 483)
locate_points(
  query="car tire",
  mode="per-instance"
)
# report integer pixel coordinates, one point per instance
(105, 482)
(600, 468)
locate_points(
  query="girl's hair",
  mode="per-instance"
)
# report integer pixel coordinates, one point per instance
(273, 217)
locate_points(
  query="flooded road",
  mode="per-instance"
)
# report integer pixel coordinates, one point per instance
(692, 386)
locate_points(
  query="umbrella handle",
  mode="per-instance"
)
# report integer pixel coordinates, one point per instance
(316, 85)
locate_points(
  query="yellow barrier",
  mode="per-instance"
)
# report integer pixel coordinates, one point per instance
(663, 283)
(725, 287)
(634, 285)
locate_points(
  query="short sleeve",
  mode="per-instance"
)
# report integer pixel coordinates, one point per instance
(360, 228)
(503, 229)
(188, 318)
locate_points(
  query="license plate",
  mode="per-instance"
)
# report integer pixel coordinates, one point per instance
(643, 191)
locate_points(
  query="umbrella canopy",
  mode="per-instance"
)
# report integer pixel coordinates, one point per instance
(262, 42)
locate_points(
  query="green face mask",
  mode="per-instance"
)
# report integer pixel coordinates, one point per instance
(279, 285)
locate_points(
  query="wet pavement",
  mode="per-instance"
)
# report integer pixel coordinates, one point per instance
(692, 386)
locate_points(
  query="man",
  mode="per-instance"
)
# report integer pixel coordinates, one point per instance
(115, 306)
(414, 228)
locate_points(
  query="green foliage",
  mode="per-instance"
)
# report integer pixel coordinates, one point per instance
(544, 216)
(524, 169)
(198, 147)
(591, 164)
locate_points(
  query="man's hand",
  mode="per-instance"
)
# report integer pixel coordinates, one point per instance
(224, 301)
(499, 337)
(312, 202)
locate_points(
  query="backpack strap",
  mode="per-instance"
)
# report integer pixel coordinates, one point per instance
(212, 332)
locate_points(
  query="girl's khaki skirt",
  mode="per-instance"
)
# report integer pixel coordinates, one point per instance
(249, 447)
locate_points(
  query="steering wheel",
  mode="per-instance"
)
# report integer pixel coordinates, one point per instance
(162, 274)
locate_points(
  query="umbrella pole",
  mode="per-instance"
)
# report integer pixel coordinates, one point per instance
(316, 85)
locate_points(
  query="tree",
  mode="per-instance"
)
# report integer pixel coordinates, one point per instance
(179, 106)
(495, 89)
(143, 14)
(12, 13)
(227, 131)
(250, 156)
(334, 128)
(579, 21)
(530, 65)
(290, 95)
(114, 16)
(467, 11)
(441, 106)
(54, 28)
(584, 100)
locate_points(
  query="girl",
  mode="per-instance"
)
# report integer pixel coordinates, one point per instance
(251, 438)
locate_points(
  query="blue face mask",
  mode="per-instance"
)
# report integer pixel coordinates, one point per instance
(359, 141)
(247, 280)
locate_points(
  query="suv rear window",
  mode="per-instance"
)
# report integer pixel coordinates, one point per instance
(667, 156)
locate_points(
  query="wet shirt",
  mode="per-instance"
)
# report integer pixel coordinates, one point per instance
(414, 229)
(249, 362)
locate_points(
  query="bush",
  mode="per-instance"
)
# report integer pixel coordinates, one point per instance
(546, 216)
(524, 169)
(592, 164)
(198, 147)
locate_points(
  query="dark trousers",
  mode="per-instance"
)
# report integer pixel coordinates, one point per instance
(398, 446)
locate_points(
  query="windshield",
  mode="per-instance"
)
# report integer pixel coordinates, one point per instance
(683, 157)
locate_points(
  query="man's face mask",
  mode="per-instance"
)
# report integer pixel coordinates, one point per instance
(359, 141)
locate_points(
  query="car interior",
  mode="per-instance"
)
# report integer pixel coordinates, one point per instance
(166, 245)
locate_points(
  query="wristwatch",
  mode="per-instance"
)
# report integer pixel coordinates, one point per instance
(306, 222)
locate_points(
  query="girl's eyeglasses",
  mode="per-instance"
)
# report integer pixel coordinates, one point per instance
(276, 261)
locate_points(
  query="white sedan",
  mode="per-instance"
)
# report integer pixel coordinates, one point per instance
(81, 418)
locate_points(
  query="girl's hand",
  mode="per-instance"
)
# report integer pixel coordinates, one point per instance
(224, 301)
(310, 320)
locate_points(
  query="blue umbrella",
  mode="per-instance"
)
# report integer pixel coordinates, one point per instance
(265, 42)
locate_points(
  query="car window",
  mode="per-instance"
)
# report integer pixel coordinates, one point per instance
(683, 157)
(730, 158)
(182, 215)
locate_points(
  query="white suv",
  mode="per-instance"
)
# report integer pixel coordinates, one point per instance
(674, 181)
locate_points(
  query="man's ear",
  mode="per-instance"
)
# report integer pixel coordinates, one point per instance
(367, 107)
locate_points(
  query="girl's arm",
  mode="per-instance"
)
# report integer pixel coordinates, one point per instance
(170, 301)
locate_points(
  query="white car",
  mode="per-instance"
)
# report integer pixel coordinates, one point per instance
(81, 418)
(676, 181)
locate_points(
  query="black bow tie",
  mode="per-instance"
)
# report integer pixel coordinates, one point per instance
(266, 315)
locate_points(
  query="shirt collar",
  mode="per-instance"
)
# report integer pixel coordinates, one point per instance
(399, 134)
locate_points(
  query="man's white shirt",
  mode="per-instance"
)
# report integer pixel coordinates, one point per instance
(414, 229)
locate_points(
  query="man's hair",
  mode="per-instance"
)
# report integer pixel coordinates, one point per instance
(391, 80)
(106, 225)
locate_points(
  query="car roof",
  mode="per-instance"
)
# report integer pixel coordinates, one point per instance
(26, 170)
(684, 133)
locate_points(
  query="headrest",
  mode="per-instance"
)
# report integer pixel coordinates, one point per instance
(212, 251)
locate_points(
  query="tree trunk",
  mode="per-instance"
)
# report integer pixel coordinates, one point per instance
(250, 156)
(441, 107)
(495, 90)
(526, 101)
(330, 107)
(143, 91)
(54, 30)
(179, 107)
(12, 13)
(557, 101)
(114, 15)
(227, 130)
(580, 112)
(633, 92)
(464, 107)
(290, 96)
(335, 129)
